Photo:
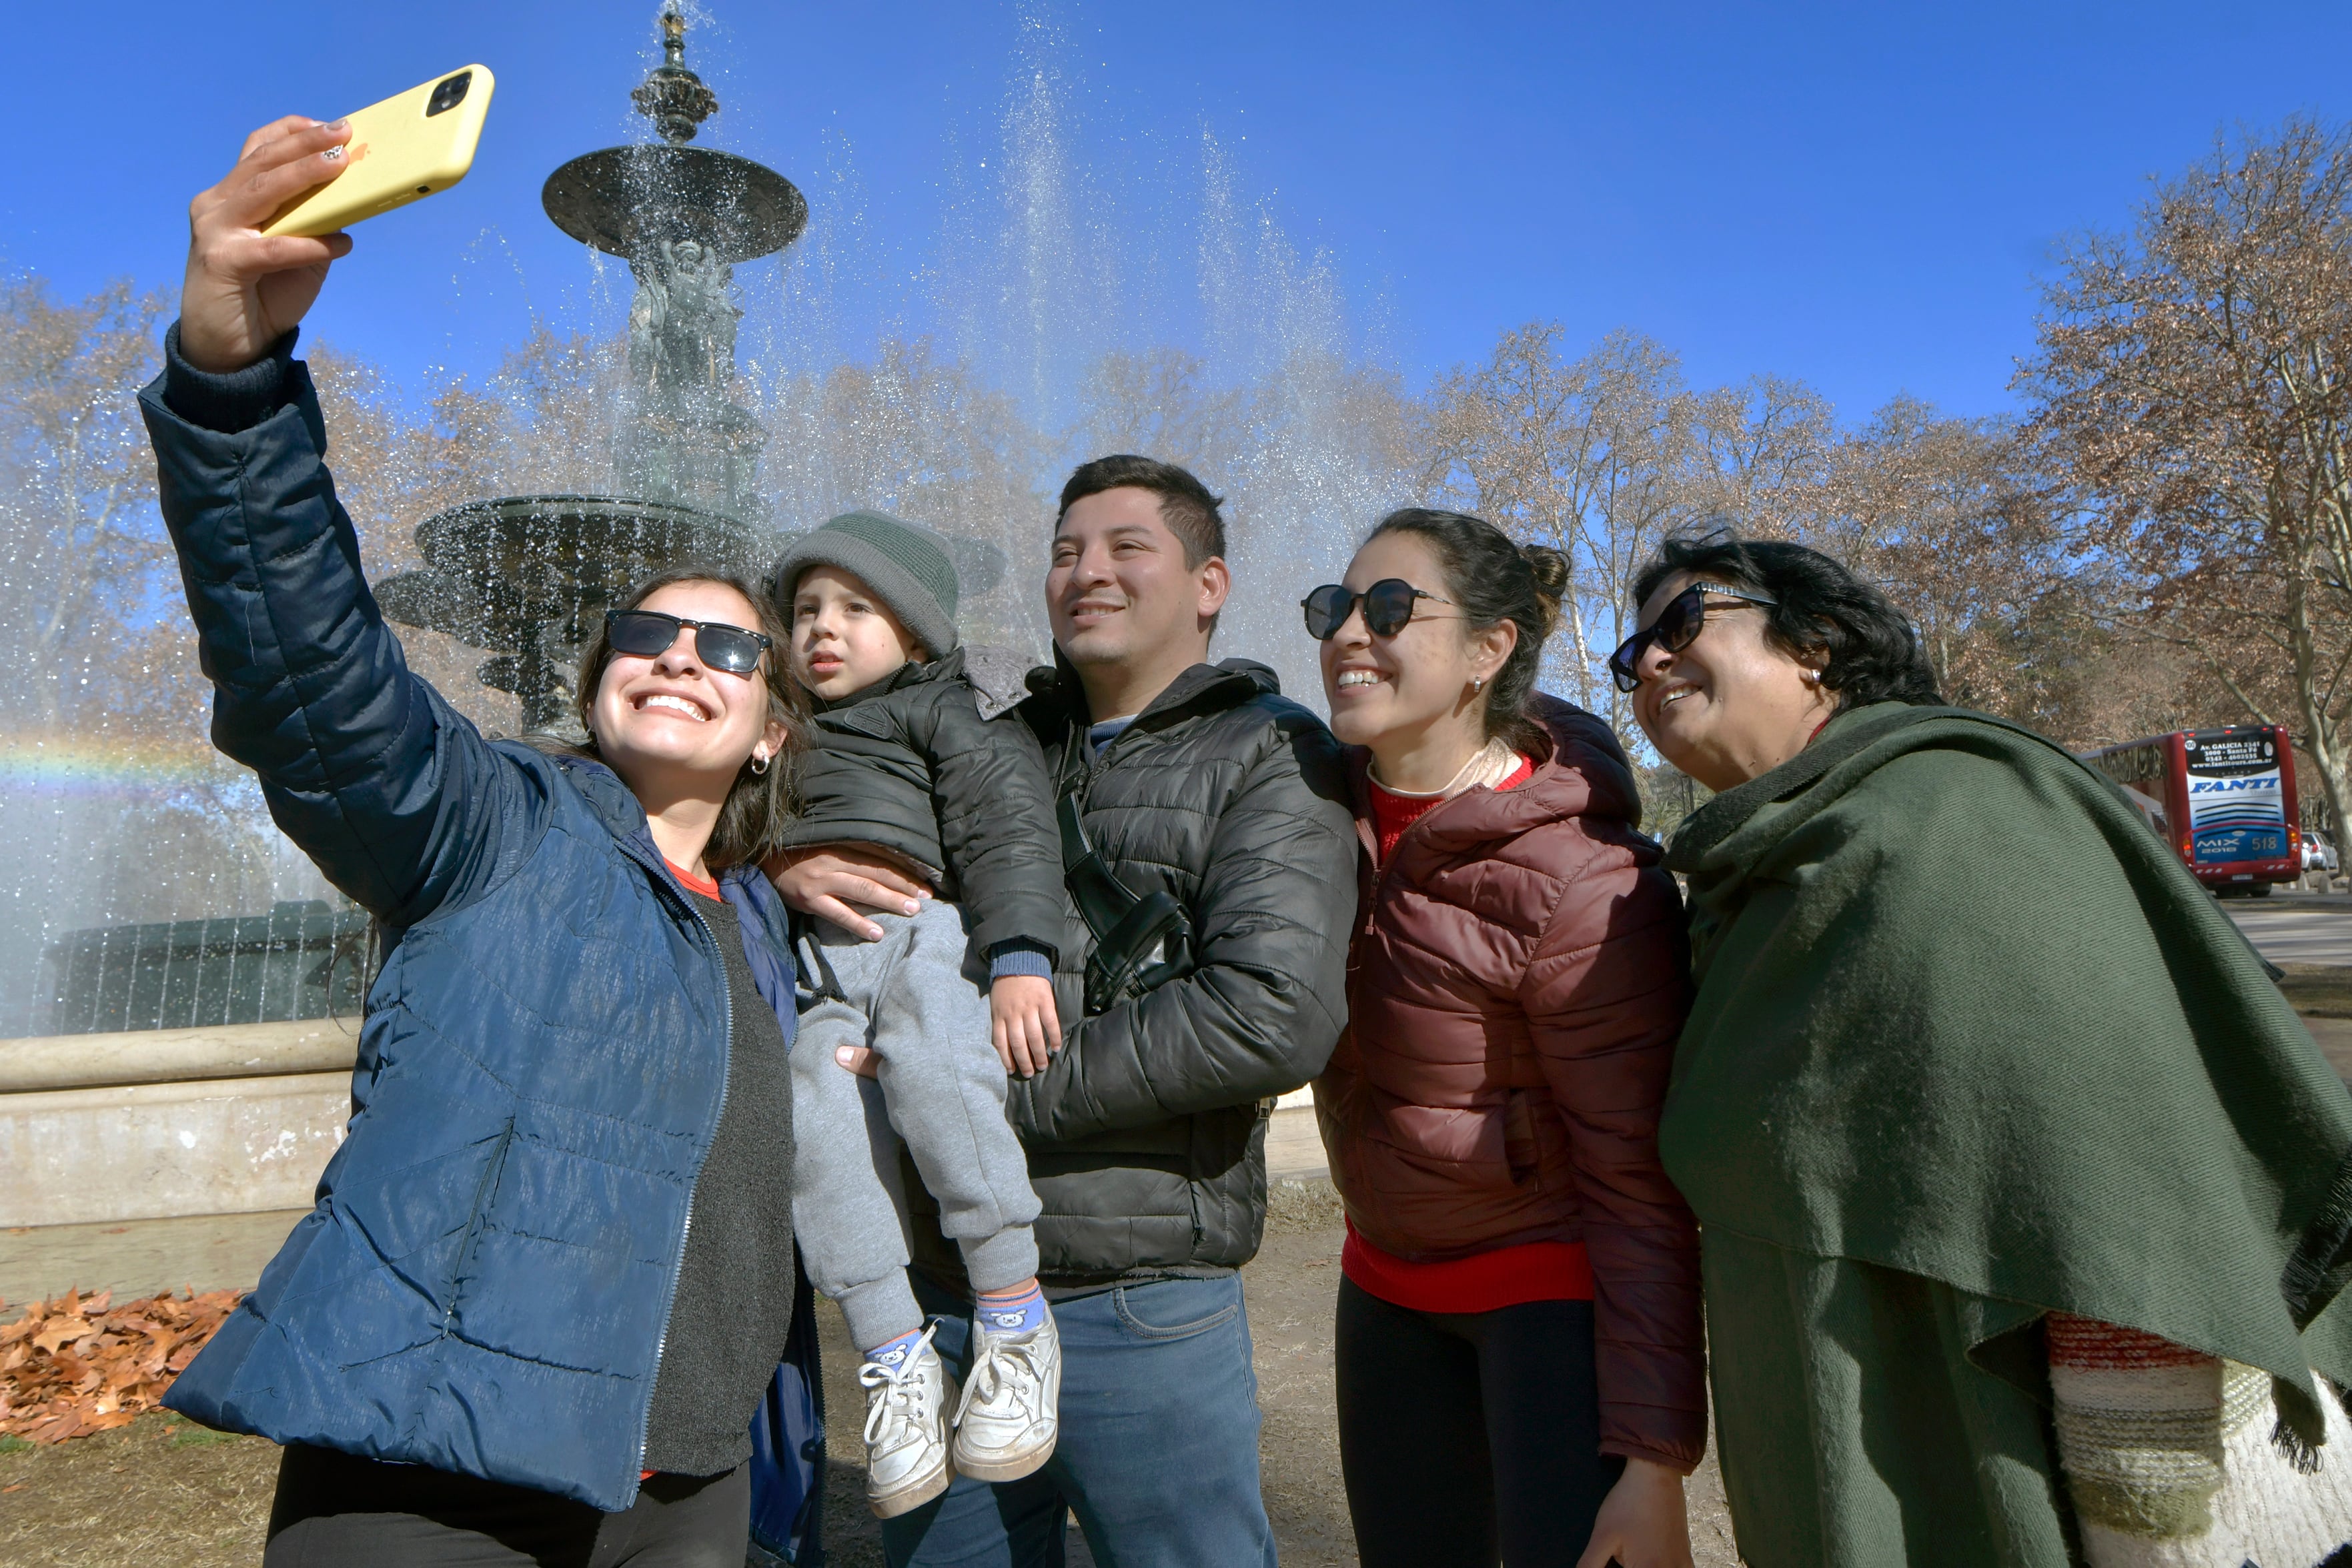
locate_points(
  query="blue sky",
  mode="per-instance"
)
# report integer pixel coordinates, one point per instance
(1858, 195)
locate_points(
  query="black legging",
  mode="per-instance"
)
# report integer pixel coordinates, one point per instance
(1469, 1438)
(339, 1510)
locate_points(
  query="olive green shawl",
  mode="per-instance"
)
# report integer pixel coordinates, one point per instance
(1961, 1014)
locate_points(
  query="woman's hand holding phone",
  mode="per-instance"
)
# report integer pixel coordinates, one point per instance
(245, 288)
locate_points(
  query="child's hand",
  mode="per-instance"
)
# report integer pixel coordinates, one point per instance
(1024, 1021)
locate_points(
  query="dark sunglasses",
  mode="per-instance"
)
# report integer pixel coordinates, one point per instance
(648, 633)
(1388, 607)
(1674, 629)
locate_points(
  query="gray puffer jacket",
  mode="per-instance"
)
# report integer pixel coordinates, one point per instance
(907, 766)
(1147, 1132)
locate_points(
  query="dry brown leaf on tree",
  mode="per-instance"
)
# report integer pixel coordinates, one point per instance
(81, 1365)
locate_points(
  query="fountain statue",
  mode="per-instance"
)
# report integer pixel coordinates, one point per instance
(528, 577)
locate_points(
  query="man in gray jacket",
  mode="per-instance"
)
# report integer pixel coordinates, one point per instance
(1146, 1132)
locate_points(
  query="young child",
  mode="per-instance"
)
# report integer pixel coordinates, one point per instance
(904, 763)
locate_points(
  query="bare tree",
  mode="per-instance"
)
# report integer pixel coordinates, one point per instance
(1760, 457)
(918, 434)
(1951, 518)
(1159, 404)
(82, 552)
(1586, 455)
(1603, 455)
(2192, 376)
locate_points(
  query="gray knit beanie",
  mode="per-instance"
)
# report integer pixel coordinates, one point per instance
(906, 564)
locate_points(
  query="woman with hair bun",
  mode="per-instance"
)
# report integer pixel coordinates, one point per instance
(1519, 1365)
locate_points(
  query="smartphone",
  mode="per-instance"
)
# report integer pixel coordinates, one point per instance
(401, 150)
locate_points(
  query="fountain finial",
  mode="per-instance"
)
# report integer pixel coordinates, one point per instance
(673, 98)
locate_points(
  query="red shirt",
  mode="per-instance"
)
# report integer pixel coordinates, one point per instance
(706, 885)
(1392, 814)
(1505, 1276)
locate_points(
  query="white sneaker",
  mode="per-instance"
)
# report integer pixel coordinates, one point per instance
(1010, 1413)
(907, 1428)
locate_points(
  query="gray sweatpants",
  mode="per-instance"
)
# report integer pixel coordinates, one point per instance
(941, 1089)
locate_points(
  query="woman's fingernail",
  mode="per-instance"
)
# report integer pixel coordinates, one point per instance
(337, 125)
(332, 155)
(913, 908)
(842, 1055)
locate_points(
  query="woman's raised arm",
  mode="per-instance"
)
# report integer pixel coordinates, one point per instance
(393, 794)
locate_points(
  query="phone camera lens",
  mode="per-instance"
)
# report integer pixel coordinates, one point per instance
(449, 94)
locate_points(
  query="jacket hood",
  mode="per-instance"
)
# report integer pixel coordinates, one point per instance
(1581, 772)
(1204, 685)
(620, 810)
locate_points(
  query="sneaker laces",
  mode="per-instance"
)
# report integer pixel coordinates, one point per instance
(993, 1368)
(909, 1396)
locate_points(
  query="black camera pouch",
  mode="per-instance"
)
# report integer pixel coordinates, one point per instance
(1140, 942)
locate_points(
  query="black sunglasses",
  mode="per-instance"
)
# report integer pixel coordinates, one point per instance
(1674, 629)
(1388, 607)
(648, 633)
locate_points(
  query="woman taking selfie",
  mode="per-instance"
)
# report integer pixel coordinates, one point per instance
(497, 1337)
(1520, 1376)
(2011, 1163)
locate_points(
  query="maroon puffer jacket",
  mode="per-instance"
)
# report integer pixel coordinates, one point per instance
(1516, 982)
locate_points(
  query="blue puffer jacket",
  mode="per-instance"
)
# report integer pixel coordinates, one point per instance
(485, 1282)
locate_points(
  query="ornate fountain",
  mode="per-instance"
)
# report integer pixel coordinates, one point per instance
(529, 577)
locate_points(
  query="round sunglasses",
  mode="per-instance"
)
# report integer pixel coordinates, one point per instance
(1676, 627)
(1388, 607)
(648, 633)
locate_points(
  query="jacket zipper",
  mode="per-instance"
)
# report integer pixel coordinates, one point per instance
(727, 1073)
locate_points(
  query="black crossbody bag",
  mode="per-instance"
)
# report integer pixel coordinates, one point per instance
(1141, 942)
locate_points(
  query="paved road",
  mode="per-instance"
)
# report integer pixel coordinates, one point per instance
(2296, 928)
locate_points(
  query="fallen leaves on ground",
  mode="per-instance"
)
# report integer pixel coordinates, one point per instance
(79, 1364)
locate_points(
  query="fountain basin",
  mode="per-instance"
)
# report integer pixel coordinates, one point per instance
(301, 960)
(529, 577)
(148, 1151)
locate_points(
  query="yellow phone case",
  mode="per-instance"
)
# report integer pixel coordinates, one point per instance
(401, 150)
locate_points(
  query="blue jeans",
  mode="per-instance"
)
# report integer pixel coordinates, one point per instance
(1158, 1454)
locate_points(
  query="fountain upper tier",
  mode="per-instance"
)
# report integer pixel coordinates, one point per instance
(630, 201)
(627, 201)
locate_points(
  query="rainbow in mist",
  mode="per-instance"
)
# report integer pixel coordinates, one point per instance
(58, 763)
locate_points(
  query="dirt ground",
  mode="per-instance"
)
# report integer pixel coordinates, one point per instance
(158, 1491)
(168, 1494)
